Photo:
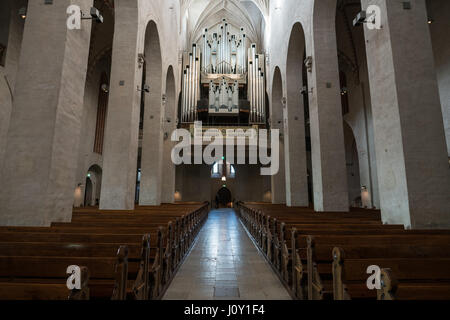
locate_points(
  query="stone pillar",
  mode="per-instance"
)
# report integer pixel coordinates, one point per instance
(295, 148)
(38, 172)
(325, 109)
(413, 171)
(277, 116)
(122, 124)
(168, 181)
(439, 10)
(278, 181)
(152, 142)
(8, 74)
(16, 25)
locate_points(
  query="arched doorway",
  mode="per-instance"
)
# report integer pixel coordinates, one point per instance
(224, 198)
(88, 193)
(353, 176)
(93, 186)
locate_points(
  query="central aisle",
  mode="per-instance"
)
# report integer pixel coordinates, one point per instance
(225, 264)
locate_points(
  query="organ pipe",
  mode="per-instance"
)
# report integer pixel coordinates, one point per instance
(249, 85)
(197, 86)
(228, 62)
(183, 97)
(190, 81)
(257, 87)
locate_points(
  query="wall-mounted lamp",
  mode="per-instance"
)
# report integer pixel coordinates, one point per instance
(164, 98)
(94, 14)
(344, 91)
(308, 63)
(363, 188)
(224, 178)
(360, 19)
(105, 88)
(23, 12)
(146, 88)
(304, 90)
(430, 21)
(372, 17)
(141, 60)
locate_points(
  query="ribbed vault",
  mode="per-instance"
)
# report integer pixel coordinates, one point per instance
(239, 13)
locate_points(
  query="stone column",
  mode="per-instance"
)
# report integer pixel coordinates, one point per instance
(122, 124)
(277, 116)
(8, 74)
(327, 135)
(278, 181)
(16, 26)
(295, 148)
(168, 181)
(152, 142)
(439, 10)
(38, 172)
(413, 171)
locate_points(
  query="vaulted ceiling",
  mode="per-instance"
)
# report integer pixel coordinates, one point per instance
(201, 14)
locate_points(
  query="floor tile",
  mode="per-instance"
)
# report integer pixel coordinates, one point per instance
(226, 292)
(225, 265)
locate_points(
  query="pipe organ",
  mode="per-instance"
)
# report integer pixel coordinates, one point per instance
(224, 76)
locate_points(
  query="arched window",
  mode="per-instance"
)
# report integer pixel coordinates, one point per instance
(216, 168)
(232, 171)
(216, 172)
(221, 169)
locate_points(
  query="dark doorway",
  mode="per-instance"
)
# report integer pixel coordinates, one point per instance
(88, 193)
(223, 198)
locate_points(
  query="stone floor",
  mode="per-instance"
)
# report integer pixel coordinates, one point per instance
(225, 264)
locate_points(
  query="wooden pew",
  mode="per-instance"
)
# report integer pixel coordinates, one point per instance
(319, 258)
(294, 241)
(29, 290)
(150, 261)
(403, 278)
(107, 275)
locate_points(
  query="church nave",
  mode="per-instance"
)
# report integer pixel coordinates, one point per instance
(225, 264)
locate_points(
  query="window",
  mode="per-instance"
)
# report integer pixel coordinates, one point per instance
(216, 172)
(219, 170)
(232, 172)
(216, 168)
